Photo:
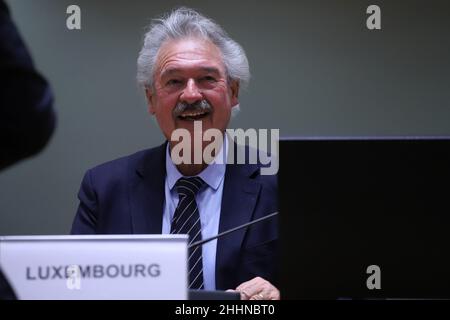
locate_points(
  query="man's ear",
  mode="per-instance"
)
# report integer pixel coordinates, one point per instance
(234, 86)
(150, 97)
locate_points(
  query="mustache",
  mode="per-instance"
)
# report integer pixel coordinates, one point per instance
(199, 106)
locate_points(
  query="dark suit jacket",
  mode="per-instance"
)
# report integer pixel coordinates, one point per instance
(126, 196)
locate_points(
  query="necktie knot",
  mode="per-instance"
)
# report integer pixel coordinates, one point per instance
(189, 186)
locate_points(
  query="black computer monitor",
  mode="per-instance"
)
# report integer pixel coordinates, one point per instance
(350, 203)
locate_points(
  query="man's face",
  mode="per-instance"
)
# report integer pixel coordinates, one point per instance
(189, 71)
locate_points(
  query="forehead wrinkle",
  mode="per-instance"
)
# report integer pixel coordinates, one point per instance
(196, 49)
(174, 70)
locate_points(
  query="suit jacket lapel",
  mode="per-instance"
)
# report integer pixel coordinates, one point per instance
(147, 192)
(239, 198)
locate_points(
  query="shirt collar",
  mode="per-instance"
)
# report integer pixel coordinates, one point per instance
(213, 174)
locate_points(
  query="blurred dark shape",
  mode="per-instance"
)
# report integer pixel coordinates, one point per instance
(27, 119)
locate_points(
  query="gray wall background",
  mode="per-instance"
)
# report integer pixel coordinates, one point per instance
(316, 71)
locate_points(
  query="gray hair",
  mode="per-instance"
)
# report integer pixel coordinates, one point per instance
(183, 23)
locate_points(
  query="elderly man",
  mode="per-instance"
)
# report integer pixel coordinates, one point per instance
(191, 71)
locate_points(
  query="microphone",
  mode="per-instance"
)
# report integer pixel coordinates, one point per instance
(201, 242)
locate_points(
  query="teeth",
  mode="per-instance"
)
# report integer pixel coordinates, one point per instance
(191, 114)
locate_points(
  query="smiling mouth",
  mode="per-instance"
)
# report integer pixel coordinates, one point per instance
(193, 115)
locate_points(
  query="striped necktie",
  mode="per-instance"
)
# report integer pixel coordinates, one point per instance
(186, 220)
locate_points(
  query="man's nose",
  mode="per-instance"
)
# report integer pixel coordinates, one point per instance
(191, 93)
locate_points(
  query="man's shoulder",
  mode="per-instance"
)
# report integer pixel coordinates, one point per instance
(131, 162)
(260, 164)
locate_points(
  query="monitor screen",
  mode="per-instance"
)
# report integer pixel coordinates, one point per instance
(365, 218)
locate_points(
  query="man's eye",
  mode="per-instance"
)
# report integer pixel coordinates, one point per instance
(173, 82)
(209, 78)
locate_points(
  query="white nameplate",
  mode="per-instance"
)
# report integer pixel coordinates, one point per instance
(96, 267)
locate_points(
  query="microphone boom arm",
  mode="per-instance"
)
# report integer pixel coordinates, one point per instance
(199, 243)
